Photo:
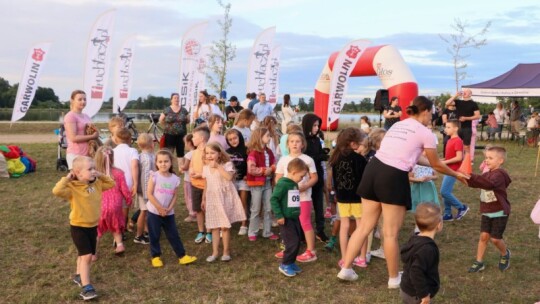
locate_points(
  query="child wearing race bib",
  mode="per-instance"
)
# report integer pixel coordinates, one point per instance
(285, 202)
(494, 206)
(296, 143)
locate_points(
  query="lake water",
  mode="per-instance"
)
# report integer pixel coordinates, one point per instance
(54, 115)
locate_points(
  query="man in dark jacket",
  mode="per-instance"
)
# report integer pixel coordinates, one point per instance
(420, 280)
(311, 126)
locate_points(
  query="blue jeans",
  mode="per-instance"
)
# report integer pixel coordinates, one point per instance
(260, 202)
(447, 186)
(168, 224)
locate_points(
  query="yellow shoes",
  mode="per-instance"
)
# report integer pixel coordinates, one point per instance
(156, 262)
(187, 259)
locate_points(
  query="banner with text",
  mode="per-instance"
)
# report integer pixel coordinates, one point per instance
(123, 77)
(189, 62)
(272, 76)
(96, 71)
(29, 82)
(259, 62)
(343, 66)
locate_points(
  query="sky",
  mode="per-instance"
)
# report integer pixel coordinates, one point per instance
(307, 30)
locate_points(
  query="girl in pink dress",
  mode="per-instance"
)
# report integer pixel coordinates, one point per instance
(220, 199)
(112, 218)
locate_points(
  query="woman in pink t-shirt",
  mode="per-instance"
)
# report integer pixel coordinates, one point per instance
(385, 185)
(75, 123)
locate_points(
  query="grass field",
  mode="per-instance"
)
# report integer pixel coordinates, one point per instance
(38, 257)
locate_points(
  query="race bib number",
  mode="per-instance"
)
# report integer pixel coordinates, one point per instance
(294, 199)
(487, 196)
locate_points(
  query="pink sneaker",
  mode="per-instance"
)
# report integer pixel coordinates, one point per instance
(328, 213)
(279, 255)
(252, 238)
(307, 256)
(273, 237)
(360, 262)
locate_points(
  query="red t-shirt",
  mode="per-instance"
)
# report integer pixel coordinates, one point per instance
(452, 147)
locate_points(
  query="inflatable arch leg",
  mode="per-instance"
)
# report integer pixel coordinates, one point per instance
(383, 61)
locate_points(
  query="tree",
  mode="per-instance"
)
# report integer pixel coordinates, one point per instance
(221, 53)
(302, 105)
(458, 42)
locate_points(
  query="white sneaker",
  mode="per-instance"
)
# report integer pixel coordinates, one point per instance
(393, 283)
(243, 230)
(347, 275)
(379, 253)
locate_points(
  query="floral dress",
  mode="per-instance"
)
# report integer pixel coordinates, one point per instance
(112, 219)
(223, 205)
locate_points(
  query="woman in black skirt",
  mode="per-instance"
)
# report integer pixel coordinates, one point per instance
(385, 185)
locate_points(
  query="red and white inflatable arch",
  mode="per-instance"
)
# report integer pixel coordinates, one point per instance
(384, 61)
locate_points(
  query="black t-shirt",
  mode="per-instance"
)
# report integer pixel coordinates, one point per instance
(231, 109)
(346, 175)
(466, 108)
(388, 122)
(450, 114)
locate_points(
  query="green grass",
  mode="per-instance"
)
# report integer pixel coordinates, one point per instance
(38, 257)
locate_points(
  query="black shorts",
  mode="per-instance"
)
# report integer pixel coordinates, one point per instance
(196, 198)
(465, 134)
(175, 142)
(495, 226)
(385, 184)
(84, 239)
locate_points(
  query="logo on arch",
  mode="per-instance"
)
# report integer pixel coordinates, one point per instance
(38, 54)
(353, 51)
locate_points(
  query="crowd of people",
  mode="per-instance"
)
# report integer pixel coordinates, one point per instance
(253, 175)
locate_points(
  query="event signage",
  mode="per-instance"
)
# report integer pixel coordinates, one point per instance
(189, 62)
(259, 62)
(29, 82)
(199, 79)
(123, 77)
(272, 76)
(343, 66)
(96, 72)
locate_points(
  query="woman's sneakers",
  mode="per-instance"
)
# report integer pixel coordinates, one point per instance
(88, 292)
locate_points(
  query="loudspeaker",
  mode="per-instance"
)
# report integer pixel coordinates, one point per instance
(381, 100)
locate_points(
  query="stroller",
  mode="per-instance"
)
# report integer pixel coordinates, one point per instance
(61, 162)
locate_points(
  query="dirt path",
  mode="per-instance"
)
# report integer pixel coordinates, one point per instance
(8, 139)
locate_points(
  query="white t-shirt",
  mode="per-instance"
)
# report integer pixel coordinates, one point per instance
(216, 110)
(404, 143)
(123, 155)
(246, 133)
(187, 156)
(281, 168)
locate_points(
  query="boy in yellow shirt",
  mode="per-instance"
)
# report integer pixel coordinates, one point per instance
(83, 187)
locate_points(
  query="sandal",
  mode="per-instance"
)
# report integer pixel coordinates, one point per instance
(119, 249)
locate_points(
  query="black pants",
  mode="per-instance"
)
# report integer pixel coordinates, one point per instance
(291, 233)
(317, 197)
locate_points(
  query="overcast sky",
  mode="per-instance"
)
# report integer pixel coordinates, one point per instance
(308, 31)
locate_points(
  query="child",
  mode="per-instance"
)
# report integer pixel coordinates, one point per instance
(243, 123)
(83, 188)
(220, 199)
(116, 123)
(261, 166)
(365, 124)
(188, 142)
(162, 192)
(493, 126)
(112, 219)
(270, 123)
(200, 138)
(347, 169)
(453, 157)
(238, 154)
(313, 149)
(420, 280)
(494, 206)
(286, 206)
(127, 160)
(291, 127)
(422, 186)
(147, 164)
(215, 123)
(296, 142)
